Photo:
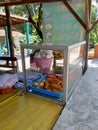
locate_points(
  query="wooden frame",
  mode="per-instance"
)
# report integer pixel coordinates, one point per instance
(22, 2)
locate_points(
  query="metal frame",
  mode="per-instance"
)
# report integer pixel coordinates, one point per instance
(66, 50)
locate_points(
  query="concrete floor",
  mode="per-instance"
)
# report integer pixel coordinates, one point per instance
(81, 113)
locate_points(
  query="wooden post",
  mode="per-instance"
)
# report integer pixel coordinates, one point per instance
(87, 35)
(9, 25)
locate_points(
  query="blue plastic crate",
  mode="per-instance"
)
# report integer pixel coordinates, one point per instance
(46, 92)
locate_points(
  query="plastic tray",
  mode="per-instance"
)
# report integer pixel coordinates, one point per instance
(46, 92)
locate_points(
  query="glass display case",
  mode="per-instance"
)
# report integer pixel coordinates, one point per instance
(53, 71)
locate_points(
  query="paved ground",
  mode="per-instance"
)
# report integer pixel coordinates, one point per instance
(81, 113)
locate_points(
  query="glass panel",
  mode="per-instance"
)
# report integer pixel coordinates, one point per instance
(75, 65)
(75, 56)
(74, 76)
(44, 72)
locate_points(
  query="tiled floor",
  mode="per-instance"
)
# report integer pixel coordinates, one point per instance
(82, 111)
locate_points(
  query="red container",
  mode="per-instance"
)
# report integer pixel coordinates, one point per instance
(5, 90)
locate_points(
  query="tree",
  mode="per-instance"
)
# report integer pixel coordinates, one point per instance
(37, 19)
(34, 14)
(94, 32)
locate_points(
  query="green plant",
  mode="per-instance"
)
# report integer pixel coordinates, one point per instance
(94, 32)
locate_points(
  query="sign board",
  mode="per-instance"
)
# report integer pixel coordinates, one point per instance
(60, 27)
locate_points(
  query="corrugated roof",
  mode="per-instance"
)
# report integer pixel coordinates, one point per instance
(16, 20)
